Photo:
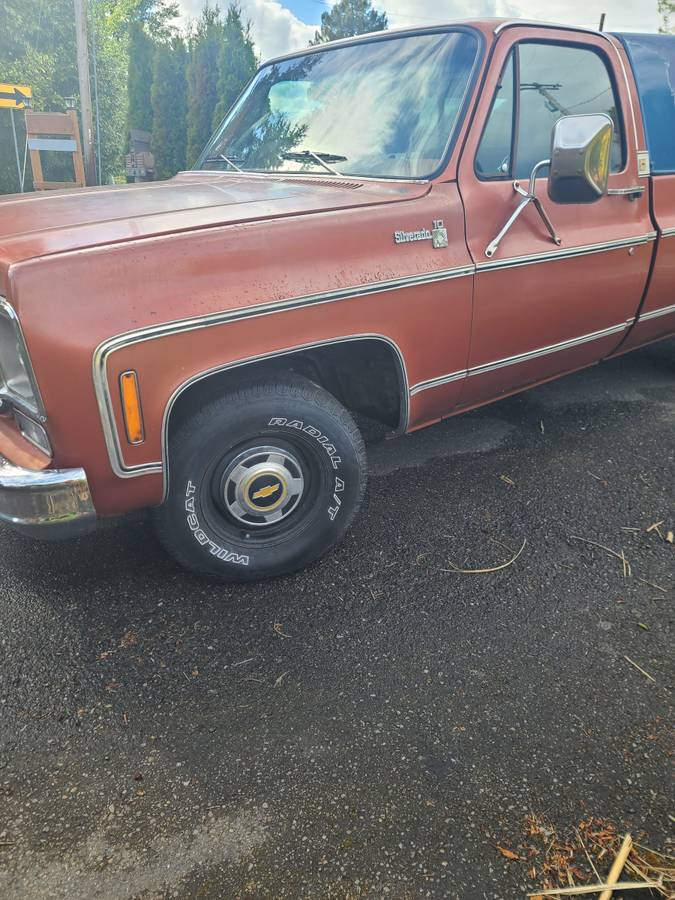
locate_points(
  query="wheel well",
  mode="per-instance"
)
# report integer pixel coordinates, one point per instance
(366, 375)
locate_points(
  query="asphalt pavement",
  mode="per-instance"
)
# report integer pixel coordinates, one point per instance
(381, 724)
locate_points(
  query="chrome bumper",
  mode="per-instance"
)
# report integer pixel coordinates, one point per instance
(52, 503)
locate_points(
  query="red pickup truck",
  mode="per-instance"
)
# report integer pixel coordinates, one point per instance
(400, 226)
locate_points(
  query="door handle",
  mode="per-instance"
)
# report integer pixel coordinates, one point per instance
(632, 192)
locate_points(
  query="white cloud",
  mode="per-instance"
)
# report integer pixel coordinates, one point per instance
(275, 29)
(622, 15)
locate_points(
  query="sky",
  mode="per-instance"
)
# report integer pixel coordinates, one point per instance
(280, 26)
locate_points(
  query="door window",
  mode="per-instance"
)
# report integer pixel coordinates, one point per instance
(542, 82)
(496, 146)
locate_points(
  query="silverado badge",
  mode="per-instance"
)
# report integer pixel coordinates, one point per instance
(438, 235)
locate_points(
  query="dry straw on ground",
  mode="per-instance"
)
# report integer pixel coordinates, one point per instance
(591, 859)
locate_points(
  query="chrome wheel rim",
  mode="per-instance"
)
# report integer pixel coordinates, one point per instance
(262, 486)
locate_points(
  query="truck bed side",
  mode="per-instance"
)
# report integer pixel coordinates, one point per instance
(652, 60)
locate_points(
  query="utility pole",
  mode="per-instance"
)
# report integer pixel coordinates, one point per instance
(85, 90)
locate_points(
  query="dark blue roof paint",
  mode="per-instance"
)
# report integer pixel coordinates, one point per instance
(652, 57)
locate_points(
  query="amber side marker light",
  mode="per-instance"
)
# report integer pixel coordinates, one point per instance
(131, 406)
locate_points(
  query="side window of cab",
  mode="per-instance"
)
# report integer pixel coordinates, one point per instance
(542, 81)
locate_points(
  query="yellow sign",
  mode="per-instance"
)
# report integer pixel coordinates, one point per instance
(14, 96)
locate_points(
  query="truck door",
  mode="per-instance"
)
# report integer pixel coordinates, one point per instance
(541, 309)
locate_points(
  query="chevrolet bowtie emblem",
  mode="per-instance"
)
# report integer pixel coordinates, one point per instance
(266, 491)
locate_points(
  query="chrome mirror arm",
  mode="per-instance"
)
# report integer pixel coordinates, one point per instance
(535, 171)
(528, 197)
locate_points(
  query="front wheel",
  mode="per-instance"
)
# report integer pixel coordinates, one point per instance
(262, 481)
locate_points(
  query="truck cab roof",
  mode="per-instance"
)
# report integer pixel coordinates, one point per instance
(486, 25)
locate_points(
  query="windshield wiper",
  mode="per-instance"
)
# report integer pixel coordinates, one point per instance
(219, 156)
(322, 158)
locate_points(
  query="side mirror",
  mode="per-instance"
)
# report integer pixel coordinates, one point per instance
(580, 158)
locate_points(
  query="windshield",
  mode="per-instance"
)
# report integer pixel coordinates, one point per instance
(387, 108)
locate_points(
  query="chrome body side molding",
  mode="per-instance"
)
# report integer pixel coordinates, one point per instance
(565, 253)
(437, 382)
(545, 351)
(655, 313)
(520, 358)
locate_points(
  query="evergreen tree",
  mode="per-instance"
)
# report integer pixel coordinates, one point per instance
(169, 99)
(202, 80)
(139, 79)
(237, 62)
(150, 23)
(347, 18)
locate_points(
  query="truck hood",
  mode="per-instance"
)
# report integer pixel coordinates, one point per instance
(33, 225)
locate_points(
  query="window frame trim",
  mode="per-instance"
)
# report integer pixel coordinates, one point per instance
(515, 51)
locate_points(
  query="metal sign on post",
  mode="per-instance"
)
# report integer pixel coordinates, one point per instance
(15, 96)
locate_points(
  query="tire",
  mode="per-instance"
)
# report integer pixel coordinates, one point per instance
(262, 481)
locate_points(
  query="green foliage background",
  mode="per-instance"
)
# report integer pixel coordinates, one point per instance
(148, 75)
(38, 49)
(34, 51)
